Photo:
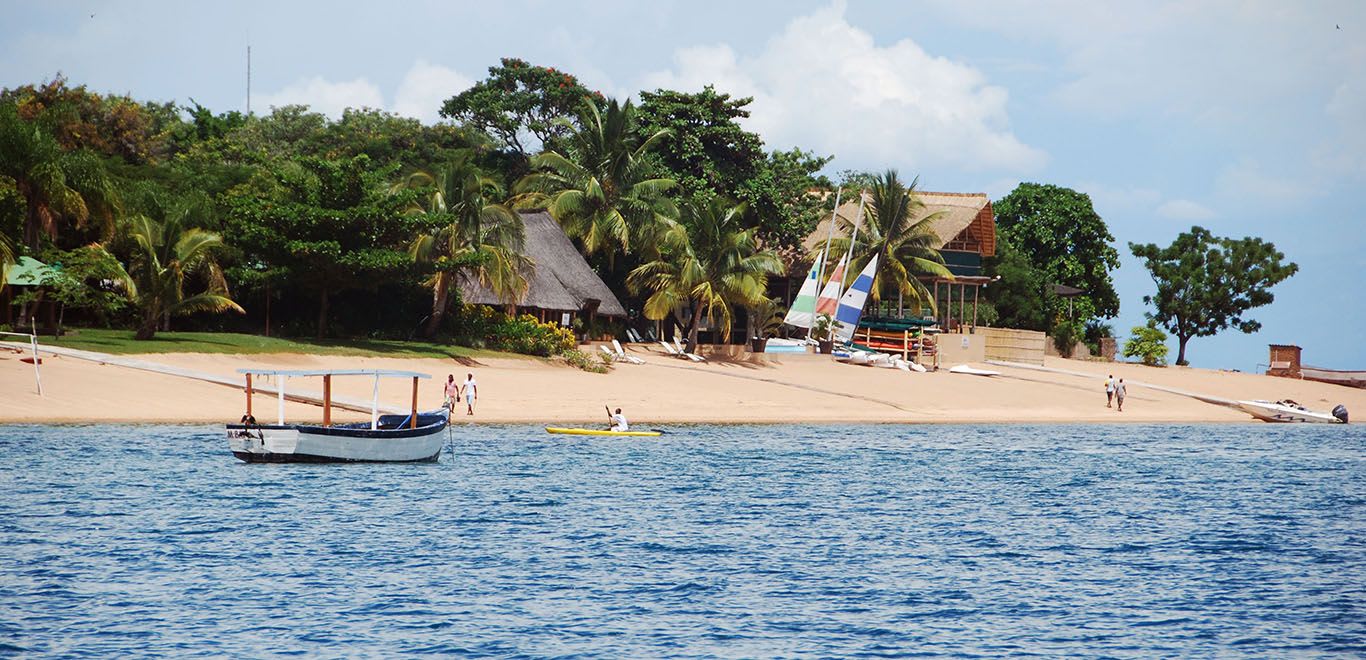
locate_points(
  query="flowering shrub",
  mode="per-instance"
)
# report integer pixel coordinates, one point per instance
(482, 326)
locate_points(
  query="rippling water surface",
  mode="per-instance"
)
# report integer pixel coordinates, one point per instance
(708, 541)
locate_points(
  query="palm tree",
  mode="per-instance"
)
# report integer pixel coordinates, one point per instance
(599, 189)
(715, 265)
(54, 183)
(484, 236)
(6, 259)
(164, 255)
(905, 247)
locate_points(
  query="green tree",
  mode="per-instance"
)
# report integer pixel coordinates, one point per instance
(1206, 283)
(897, 230)
(599, 189)
(165, 256)
(1064, 237)
(518, 99)
(1022, 297)
(713, 264)
(1147, 343)
(325, 227)
(54, 183)
(483, 237)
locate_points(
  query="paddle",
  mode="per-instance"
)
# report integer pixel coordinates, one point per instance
(611, 421)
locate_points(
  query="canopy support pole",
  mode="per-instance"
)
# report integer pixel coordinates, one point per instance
(374, 407)
(327, 400)
(280, 390)
(413, 416)
(249, 393)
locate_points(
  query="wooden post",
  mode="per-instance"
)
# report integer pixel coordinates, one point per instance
(976, 291)
(413, 417)
(905, 344)
(962, 305)
(327, 399)
(248, 395)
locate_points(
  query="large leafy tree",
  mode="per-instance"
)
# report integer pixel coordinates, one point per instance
(165, 256)
(1022, 297)
(710, 154)
(483, 237)
(1064, 237)
(714, 264)
(325, 227)
(519, 102)
(898, 231)
(1207, 283)
(57, 186)
(599, 188)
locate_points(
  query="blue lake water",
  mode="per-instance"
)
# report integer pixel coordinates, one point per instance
(709, 541)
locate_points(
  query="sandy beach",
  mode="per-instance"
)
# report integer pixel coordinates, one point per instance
(769, 389)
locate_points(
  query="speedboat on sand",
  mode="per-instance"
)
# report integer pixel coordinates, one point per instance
(1287, 410)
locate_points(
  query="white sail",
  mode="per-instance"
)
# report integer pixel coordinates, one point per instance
(803, 311)
(851, 303)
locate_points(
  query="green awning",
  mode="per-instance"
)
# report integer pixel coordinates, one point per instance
(30, 272)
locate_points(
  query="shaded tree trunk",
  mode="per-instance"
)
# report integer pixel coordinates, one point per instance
(441, 293)
(322, 314)
(692, 328)
(148, 329)
(1181, 349)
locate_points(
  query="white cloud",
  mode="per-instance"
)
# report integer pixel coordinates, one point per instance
(1247, 180)
(329, 98)
(824, 84)
(1184, 209)
(425, 87)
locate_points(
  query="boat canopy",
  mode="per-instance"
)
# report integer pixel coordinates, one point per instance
(333, 372)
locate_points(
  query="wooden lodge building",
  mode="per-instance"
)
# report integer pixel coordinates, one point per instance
(560, 281)
(966, 226)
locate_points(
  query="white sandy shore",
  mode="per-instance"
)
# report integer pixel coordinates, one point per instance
(783, 389)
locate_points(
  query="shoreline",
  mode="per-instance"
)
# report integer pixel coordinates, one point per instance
(770, 390)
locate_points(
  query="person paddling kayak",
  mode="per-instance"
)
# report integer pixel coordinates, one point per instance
(618, 420)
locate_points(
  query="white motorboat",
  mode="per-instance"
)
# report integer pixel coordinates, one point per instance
(392, 438)
(1290, 411)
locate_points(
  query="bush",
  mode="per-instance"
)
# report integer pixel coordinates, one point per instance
(483, 326)
(1065, 336)
(1148, 343)
(600, 364)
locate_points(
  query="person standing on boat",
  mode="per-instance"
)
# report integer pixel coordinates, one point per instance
(619, 421)
(1109, 390)
(452, 392)
(1119, 394)
(470, 390)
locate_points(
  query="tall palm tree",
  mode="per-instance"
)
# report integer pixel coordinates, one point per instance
(484, 237)
(166, 254)
(714, 265)
(54, 183)
(905, 247)
(599, 189)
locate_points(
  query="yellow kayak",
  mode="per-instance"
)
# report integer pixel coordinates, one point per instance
(565, 431)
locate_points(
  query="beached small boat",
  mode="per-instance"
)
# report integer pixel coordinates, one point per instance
(973, 371)
(394, 438)
(1288, 411)
(572, 431)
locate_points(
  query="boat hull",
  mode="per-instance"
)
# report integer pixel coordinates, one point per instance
(569, 431)
(349, 443)
(1268, 411)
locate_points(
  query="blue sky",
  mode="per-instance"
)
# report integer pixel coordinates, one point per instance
(1248, 118)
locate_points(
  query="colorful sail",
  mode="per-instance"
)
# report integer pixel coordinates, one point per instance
(803, 311)
(851, 303)
(830, 295)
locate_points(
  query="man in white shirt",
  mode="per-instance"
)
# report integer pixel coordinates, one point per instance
(619, 421)
(470, 390)
(1109, 390)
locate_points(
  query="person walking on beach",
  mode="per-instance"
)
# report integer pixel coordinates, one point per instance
(1109, 390)
(452, 392)
(1119, 394)
(470, 390)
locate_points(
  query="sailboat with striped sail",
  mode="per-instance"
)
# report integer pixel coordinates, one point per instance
(851, 303)
(803, 311)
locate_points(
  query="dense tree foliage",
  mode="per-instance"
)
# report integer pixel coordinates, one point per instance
(1206, 283)
(1022, 298)
(518, 100)
(1062, 236)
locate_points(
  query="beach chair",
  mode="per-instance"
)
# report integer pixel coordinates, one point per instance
(685, 354)
(621, 355)
(632, 335)
(669, 350)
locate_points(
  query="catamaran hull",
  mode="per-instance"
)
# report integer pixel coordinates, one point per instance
(1274, 412)
(316, 444)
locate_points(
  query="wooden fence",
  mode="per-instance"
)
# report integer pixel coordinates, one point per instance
(1026, 346)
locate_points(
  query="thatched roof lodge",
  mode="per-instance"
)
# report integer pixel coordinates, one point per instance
(560, 280)
(966, 227)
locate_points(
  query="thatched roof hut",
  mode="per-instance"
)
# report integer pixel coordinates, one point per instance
(966, 222)
(559, 281)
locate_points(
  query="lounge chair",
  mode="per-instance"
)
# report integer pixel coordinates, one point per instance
(683, 352)
(621, 355)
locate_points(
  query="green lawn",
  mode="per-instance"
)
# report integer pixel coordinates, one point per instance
(121, 342)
